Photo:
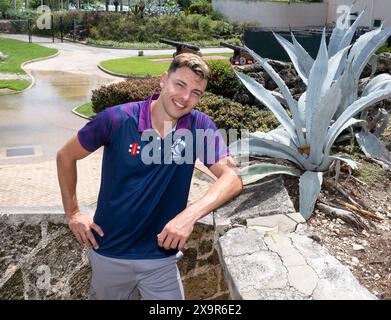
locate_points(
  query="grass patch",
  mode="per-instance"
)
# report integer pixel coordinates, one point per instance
(86, 110)
(19, 52)
(372, 173)
(383, 49)
(16, 85)
(142, 66)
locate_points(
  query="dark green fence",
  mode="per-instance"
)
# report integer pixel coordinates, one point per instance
(265, 44)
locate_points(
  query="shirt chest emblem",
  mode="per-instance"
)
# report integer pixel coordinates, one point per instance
(177, 147)
(134, 149)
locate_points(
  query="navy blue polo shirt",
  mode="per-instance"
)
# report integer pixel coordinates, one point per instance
(145, 179)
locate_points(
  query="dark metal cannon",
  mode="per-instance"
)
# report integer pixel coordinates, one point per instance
(240, 56)
(182, 47)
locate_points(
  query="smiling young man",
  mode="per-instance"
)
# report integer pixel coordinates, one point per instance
(142, 219)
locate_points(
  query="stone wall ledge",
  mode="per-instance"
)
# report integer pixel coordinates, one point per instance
(273, 256)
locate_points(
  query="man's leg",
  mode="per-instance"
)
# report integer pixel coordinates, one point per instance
(159, 279)
(111, 279)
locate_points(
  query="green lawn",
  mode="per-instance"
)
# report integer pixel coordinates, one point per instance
(19, 52)
(143, 66)
(16, 85)
(86, 109)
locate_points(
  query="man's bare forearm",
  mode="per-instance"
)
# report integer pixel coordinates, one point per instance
(67, 178)
(227, 186)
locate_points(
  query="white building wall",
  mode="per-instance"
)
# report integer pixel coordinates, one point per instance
(272, 14)
(374, 9)
(282, 15)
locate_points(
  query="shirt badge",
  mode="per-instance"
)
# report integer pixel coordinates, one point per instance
(134, 149)
(177, 148)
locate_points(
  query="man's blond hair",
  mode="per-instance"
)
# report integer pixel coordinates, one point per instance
(191, 61)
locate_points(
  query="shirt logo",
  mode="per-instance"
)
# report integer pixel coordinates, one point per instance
(134, 149)
(177, 147)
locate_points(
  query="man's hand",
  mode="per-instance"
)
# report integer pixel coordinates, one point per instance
(228, 184)
(176, 232)
(81, 225)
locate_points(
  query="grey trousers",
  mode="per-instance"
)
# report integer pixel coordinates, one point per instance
(119, 279)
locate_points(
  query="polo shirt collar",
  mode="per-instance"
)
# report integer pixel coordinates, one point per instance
(144, 120)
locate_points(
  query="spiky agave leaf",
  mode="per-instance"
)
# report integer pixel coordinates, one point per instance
(349, 88)
(330, 139)
(292, 103)
(362, 52)
(380, 82)
(321, 117)
(356, 107)
(301, 60)
(254, 173)
(315, 89)
(257, 147)
(305, 60)
(341, 38)
(373, 147)
(271, 102)
(345, 158)
(275, 140)
(309, 185)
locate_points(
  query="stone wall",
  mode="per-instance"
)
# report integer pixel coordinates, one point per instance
(40, 259)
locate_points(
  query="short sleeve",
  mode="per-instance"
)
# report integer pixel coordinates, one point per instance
(98, 131)
(211, 147)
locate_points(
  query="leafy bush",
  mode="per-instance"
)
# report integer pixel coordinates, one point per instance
(223, 80)
(383, 49)
(228, 114)
(122, 92)
(134, 28)
(201, 7)
(215, 15)
(184, 4)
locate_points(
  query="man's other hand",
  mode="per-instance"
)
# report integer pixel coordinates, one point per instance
(81, 225)
(176, 232)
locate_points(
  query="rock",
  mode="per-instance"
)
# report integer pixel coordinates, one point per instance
(357, 247)
(384, 63)
(3, 56)
(365, 233)
(355, 261)
(364, 242)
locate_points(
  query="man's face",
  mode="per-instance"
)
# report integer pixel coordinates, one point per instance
(181, 90)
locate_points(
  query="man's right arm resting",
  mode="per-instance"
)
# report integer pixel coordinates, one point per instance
(80, 223)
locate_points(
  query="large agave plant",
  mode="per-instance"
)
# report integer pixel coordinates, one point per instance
(310, 128)
(351, 65)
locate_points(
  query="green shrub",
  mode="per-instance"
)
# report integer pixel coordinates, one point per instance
(223, 80)
(228, 114)
(215, 15)
(383, 49)
(201, 7)
(184, 4)
(132, 28)
(122, 92)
